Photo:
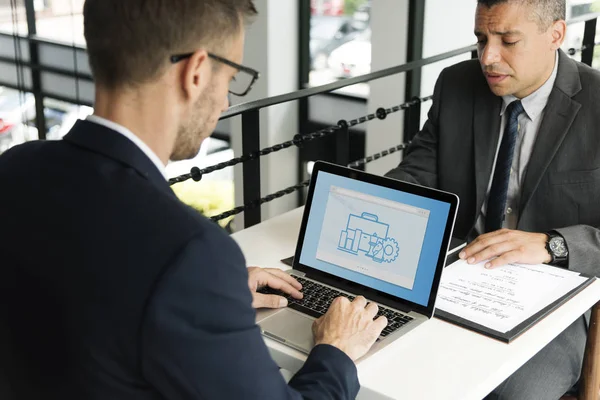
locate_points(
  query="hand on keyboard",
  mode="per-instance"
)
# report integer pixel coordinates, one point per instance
(276, 280)
(350, 326)
(318, 298)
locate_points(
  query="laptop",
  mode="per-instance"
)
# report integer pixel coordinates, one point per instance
(368, 235)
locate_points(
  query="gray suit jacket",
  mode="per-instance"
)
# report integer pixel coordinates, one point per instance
(561, 190)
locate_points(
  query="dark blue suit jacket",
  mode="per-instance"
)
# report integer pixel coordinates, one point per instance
(111, 288)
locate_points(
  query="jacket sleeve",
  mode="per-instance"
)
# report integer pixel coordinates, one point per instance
(200, 339)
(583, 243)
(420, 161)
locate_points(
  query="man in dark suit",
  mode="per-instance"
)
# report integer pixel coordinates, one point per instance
(110, 287)
(520, 145)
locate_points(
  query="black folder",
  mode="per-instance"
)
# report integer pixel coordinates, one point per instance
(509, 336)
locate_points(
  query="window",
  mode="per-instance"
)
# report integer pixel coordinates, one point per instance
(60, 20)
(18, 117)
(16, 109)
(577, 10)
(61, 116)
(340, 42)
(13, 19)
(574, 37)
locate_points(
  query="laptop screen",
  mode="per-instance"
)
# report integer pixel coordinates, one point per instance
(382, 238)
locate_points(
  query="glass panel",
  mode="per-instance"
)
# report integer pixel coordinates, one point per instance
(574, 37)
(13, 19)
(340, 42)
(18, 117)
(17, 108)
(60, 20)
(574, 40)
(579, 8)
(61, 116)
(596, 62)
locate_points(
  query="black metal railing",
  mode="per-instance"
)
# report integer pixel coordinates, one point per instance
(251, 125)
(251, 146)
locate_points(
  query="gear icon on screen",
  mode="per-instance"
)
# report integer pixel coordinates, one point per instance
(390, 250)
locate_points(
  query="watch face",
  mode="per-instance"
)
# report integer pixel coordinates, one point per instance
(557, 245)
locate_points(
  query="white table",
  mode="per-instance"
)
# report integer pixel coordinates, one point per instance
(437, 360)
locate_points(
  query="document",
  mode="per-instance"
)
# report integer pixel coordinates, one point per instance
(502, 298)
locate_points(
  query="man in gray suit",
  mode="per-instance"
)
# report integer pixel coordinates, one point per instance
(520, 145)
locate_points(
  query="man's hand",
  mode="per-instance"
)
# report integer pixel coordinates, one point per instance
(349, 326)
(276, 279)
(509, 247)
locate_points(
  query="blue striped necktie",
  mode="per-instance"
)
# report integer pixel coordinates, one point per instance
(496, 207)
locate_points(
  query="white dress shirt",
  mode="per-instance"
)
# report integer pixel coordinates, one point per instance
(131, 136)
(529, 124)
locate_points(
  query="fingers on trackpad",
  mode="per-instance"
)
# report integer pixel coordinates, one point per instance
(291, 328)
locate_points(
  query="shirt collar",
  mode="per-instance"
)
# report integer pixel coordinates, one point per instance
(131, 136)
(535, 103)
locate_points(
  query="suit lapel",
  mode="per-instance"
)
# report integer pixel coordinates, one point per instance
(486, 131)
(559, 114)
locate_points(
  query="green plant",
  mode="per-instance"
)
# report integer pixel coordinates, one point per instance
(208, 197)
(350, 6)
(596, 6)
(596, 60)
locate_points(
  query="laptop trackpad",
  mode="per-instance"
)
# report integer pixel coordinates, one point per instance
(291, 328)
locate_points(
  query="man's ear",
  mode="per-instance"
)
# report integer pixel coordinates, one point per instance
(558, 30)
(195, 74)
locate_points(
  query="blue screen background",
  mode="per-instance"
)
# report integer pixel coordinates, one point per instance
(429, 252)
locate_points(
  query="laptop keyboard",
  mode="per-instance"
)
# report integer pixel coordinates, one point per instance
(317, 299)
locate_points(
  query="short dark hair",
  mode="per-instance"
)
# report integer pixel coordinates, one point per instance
(546, 11)
(129, 42)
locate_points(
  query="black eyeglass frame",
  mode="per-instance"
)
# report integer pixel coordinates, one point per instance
(254, 73)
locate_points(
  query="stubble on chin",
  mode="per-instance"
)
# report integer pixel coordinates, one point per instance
(187, 150)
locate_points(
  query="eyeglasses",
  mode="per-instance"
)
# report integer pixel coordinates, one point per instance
(241, 83)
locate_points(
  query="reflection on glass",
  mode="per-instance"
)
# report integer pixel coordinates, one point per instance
(61, 116)
(16, 108)
(60, 20)
(13, 19)
(574, 37)
(18, 117)
(340, 42)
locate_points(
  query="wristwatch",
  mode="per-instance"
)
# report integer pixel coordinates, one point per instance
(557, 248)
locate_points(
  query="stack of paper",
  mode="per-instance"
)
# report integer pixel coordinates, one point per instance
(502, 298)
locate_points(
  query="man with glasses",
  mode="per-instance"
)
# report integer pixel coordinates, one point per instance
(240, 84)
(111, 288)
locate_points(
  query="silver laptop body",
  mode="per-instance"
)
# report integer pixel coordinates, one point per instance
(363, 234)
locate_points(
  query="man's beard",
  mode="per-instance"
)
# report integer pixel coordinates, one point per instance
(192, 132)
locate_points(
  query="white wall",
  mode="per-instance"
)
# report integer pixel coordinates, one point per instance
(389, 24)
(272, 48)
(448, 26)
